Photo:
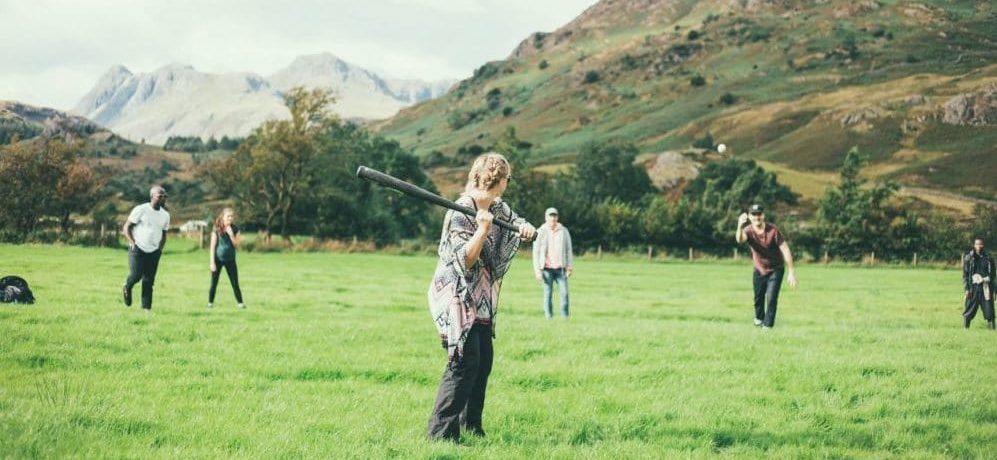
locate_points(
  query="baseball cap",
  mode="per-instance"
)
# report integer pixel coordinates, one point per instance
(756, 209)
(550, 211)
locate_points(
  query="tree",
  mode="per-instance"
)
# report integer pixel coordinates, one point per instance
(607, 170)
(78, 190)
(44, 180)
(270, 170)
(852, 218)
(340, 206)
(602, 171)
(529, 192)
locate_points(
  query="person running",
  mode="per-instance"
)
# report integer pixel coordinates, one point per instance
(225, 238)
(463, 295)
(978, 277)
(553, 261)
(771, 257)
(145, 229)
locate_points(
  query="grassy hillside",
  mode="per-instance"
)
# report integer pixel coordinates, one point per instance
(658, 361)
(130, 168)
(795, 84)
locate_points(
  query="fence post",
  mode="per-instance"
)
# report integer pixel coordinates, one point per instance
(915, 259)
(735, 253)
(650, 253)
(825, 258)
(690, 254)
(872, 258)
(599, 252)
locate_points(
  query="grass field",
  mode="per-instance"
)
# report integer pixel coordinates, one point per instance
(336, 357)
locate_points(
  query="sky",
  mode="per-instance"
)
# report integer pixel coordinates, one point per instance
(55, 50)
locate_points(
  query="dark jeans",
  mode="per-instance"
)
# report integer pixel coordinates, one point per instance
(461, 397)
(233, 276)
(143, 266)
(975, 302)
(767, 288)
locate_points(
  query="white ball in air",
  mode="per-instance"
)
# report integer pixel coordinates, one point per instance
(721, 148)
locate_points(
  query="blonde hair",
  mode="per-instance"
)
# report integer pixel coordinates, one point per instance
(220, 220)
(487, 171)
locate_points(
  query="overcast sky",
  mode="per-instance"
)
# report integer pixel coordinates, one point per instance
(55, 50)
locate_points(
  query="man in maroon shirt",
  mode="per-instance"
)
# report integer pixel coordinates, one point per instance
(771, 256)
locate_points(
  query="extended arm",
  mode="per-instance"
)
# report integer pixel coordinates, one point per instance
(787, 257)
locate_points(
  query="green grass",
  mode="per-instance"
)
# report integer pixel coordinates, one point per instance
(336, 357)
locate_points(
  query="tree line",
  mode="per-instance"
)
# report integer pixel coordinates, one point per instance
(296, 177)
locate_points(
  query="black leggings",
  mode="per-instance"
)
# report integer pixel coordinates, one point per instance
(233, 276)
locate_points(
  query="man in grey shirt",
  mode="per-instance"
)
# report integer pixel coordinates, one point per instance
(553, 261)
(145, 230)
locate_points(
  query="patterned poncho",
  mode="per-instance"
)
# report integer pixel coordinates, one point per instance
(458, 295)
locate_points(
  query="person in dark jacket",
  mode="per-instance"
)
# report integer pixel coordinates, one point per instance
(225, 238)
(978, 275)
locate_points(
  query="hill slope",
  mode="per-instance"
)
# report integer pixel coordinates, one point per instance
(796, 84)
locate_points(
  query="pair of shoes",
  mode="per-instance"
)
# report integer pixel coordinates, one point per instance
(242, 306)
(126, 295)
(758, 322)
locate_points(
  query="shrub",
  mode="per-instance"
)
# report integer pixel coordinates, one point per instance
(697, 80)
(543, 64)
(728, 99)
(591, 77)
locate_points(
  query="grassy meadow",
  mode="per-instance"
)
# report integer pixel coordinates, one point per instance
(336, 357)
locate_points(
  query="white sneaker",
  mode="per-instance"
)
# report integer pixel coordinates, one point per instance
(758, 322)
(242, 306)
(211, 305)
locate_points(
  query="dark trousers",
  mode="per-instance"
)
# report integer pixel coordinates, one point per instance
(767, 295)
(143, 266)
(461, 397)
(233, 276)
(975, 302)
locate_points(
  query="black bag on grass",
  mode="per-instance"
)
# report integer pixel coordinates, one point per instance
(14, 289)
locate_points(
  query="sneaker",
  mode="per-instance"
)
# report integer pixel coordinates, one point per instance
(758, 322)
(242, 306)
(126, 295)
(211, 305)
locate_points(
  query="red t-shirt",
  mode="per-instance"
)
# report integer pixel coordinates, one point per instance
(765, 251)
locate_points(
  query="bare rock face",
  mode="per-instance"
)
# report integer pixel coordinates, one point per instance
(671, 168)
(974, 109)
(855, 118)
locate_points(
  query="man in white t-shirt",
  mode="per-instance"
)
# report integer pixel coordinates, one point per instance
(553, 260)
(145, 230)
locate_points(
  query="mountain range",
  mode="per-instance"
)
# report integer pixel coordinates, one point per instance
(178, 100)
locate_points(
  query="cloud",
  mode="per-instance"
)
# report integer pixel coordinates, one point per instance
(56, 50)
